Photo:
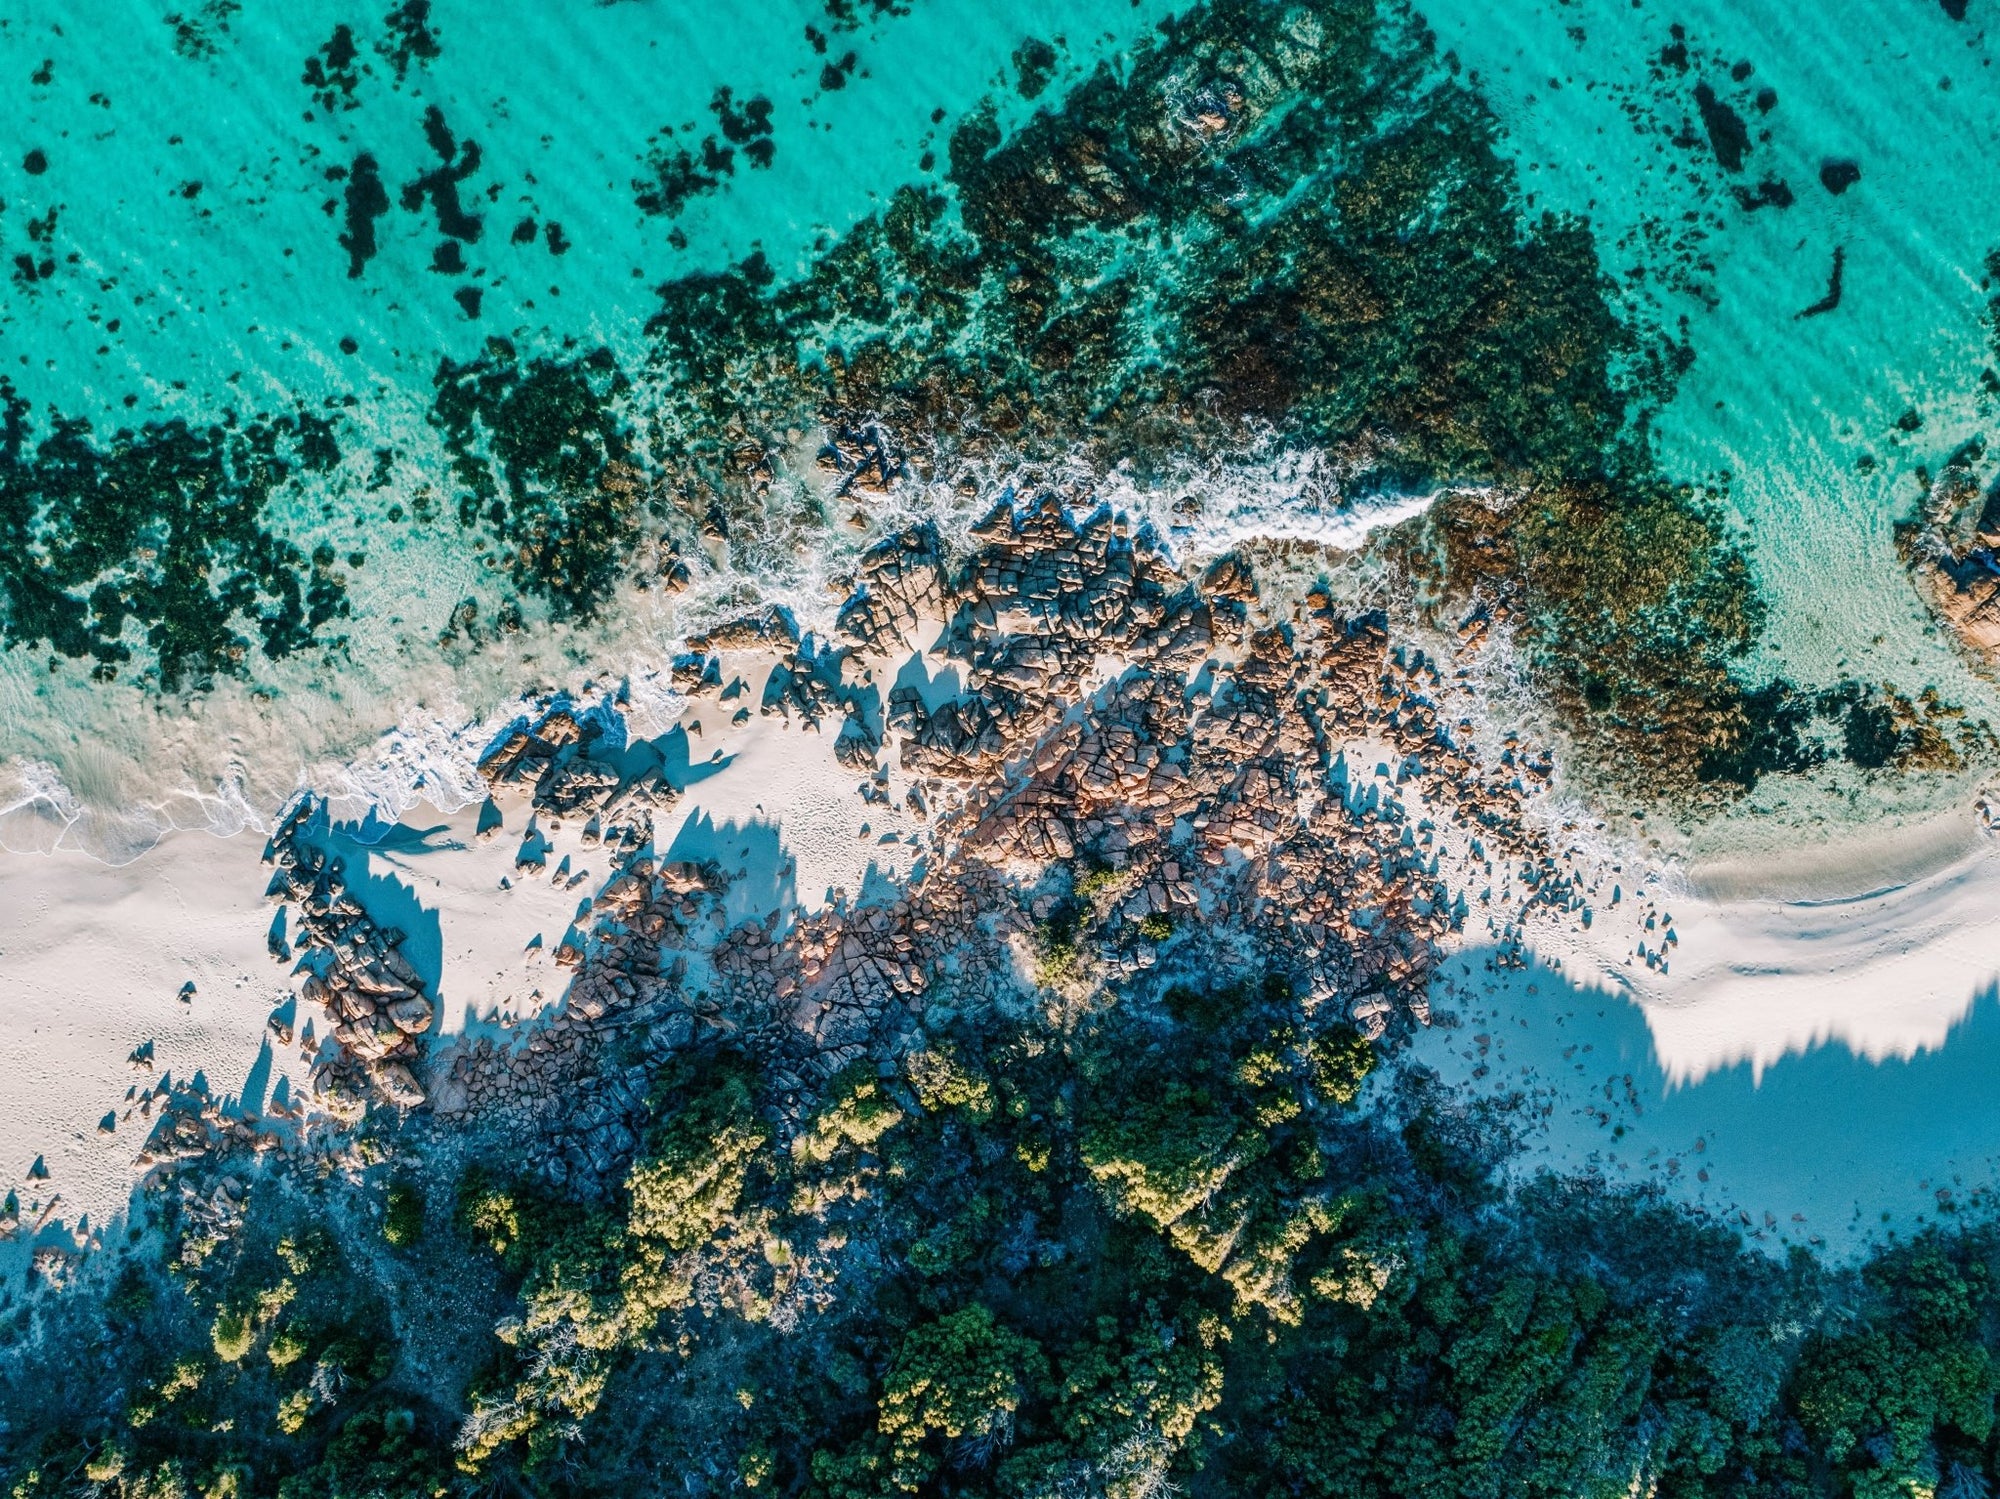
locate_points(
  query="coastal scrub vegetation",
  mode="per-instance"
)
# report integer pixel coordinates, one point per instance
(1154, 1247)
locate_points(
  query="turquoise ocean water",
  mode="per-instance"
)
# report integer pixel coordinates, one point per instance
(177, 188)
(198, 270)
(1787, 405)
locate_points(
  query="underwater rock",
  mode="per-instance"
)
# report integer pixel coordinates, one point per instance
(1834, 279)
(1772, 192)
(1728, 136)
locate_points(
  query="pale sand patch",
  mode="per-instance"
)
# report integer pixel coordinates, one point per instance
(479, 926)
(1898, 937)
(768, 801)
(1813, 1070)
(92, 961)
(93, 957)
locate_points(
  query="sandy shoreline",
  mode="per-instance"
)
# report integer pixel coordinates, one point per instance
(1746, 986)
(1882, 950)
(94, 957)
(1810, 1070)
(93, 961)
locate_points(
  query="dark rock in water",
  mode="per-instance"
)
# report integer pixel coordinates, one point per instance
(332, 73)
(835, 74)
(468, 297)
(1675, 54)
(170, 501)
(1772, 192)
(35, 162)
(1954, 8)
(411, 38)
(747, 125)
(676, 174)
(1728, 136)
(1767, 100)
(1833, 282)
(366, 200)
(1034, 63)
(1837, 174)
(440, 185)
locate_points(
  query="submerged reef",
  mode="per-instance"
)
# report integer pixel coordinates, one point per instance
(158, 536)
(1281, 229)
(1278, 226)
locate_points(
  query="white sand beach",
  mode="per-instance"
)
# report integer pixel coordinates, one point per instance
(1797, 1018)
(94, 958)
(1815, 1068)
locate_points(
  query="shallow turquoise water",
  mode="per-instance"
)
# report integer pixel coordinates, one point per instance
(1787, 404)
(198, 270)
(247, 278)
(196, 267)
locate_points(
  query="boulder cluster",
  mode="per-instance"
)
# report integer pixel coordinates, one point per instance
(1136, 769)
(1953, 552)
(355, 972)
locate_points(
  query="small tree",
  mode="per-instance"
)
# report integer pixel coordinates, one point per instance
(960, 1378)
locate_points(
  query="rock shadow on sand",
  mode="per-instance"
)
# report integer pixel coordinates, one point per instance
(763, 876)
(1822, 1146)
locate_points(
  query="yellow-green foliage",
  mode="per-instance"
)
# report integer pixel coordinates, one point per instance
(596, 1287)
(287, 1347)
(756, 1466)
(166, 1481)
(297, 1253)
(1093, 883)
(1339, 1060)
(183, 1377)
(232, 1334)
(855, 1114)
(692, 1179)
(493, 1215)
(293, 1411)
(958, 1378)
(105, 1464)
(942, 1079)
(1058, 954)
(1161, 1381)
(1165, 1154)
(1260, 1271)
(574, 1320)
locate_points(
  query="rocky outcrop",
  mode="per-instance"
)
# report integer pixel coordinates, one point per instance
(1953, 551)
(1143, 769)
(355, 972)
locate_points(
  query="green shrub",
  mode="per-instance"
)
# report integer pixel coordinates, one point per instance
(403, 1215)
(232, 1334)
